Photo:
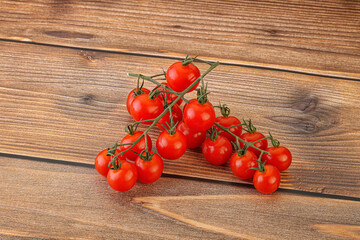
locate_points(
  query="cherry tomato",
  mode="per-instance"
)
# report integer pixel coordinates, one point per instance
(279, 157)
(227, 122)
(176, 114)
(193, 139)
(252, 137)
(124, 178)
(140, 146)
(131, 97)
(199, 117)
(149, 171)
(102, 161)
(170, 96)
(218, 151)
(240, 165)
(268, 181)
(144, 108)
(180, 77)
(171, 146)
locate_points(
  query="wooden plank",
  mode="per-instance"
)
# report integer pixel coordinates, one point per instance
(46, 200)
(311, 36)
(68, 104)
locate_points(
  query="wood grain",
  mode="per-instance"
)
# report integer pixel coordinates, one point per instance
(69, 104)
(46, 200)
(311, 36)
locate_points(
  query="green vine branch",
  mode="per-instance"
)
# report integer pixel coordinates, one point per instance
(180, 95)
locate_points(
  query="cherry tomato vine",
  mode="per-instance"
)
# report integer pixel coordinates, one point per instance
(188, 129)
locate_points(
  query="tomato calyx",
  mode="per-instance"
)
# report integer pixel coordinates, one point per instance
(213, 133)
(202, 93)
(261, 165)
(274, 141)
(188, 60)
(146, 155)
(170, 128)
(131, 128)
(249, 126)
(225, 111)
(115, 162)
(239, 151)
(138, 91)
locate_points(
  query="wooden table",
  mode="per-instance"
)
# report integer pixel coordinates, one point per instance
(293, 67)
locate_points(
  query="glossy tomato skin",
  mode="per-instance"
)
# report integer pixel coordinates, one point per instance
(279, 157)
(252, 137)
(169, 146)
(144, 108)
(241, 165)
(176, 114)
(137, 148)
(218, 151)
(170, 96)
(193, 139)
(227, 122)
(180, 77)
(268, 181)
(199, 117)
(149, 171)
(124, 178)
(102, 162)
(131, 97)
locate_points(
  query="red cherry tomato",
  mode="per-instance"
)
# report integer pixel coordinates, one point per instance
(140, 146)
(241, 165)
(279, 157)
(144, 108)
(268, 181)
(102, 161)
(131, 97)
(199, 117)
(176, 114)
(149, 171)
(171, 146)
(218, 151)
(180, 77)
(193, 139)
(227, 122)
(252, 137)
(124, 178)
(170, 96)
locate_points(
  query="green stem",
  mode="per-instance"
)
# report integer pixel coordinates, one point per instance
(249, 144)
(252, 143)
(150, 79)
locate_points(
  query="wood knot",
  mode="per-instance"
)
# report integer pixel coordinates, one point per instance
(87, 55)
(307, 126)
(175, 26)
(271, 31)
(88, 98)
(307, 104)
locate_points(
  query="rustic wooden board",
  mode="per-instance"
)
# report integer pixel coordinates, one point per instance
(69, 104)
(311, 36)
(47, 200)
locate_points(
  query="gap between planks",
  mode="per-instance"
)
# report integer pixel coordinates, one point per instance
(180, 57)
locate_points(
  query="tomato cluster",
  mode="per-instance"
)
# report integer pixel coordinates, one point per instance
(195, 125)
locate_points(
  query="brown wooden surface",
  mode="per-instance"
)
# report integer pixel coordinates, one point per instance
(47, 200)
(68, 104)
(292, 67)
(308, 36)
